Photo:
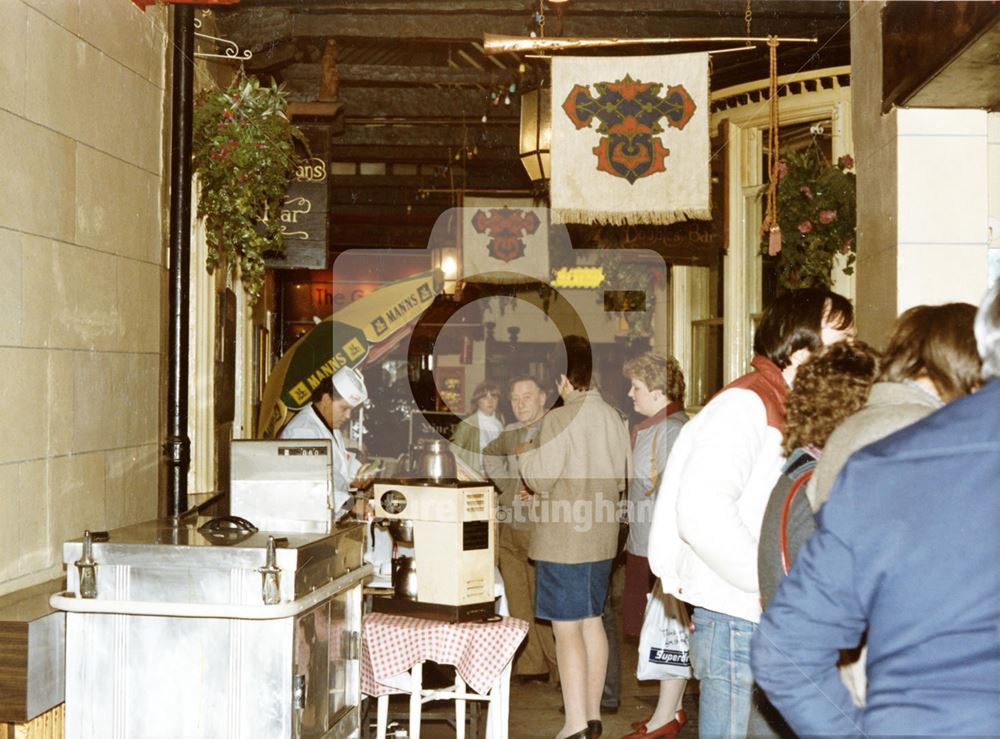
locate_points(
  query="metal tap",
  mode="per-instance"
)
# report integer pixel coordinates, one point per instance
(86, 567)
(271, 576)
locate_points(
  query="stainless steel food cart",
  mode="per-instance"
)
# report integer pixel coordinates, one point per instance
(192, 632)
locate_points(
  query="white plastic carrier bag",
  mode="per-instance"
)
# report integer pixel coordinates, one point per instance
(663, 641)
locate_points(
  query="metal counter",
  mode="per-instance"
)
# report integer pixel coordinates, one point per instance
(198, 635)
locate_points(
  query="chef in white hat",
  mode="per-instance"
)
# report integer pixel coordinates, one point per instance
(332, 402)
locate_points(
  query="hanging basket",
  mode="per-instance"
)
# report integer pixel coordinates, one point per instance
(816, 214)
(243, 150)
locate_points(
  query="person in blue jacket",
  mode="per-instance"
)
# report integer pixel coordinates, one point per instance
(907, 548)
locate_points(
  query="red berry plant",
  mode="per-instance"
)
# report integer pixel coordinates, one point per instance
(244, 153)
(816, 212)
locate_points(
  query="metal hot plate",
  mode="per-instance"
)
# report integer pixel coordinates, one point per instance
(428, 482)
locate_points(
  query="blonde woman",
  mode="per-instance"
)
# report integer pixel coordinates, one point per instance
(657, 392)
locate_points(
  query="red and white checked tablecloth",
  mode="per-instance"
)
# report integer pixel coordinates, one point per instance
(391, 644)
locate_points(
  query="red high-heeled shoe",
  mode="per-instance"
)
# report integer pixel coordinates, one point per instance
(667, 731)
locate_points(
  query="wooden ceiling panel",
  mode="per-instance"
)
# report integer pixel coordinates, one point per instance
(413, 83)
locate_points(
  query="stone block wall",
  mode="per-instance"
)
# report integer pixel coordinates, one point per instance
(82, 273)
(928, 187)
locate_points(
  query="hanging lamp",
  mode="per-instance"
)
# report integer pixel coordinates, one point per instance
(536, 133)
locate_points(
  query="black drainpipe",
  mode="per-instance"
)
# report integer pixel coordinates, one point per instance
(177, 448)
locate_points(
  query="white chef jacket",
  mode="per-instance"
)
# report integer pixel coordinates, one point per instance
(307, 424)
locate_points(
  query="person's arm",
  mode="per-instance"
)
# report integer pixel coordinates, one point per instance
(343, 500)
(796, 646)
(465, 442)
(732, 434)
(835, 453)
(541, 464)
(496, 465)
(818, 610)
(625, 444)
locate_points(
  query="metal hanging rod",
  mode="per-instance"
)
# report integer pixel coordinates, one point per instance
(230, 50)
(474, 190)
(713, 52)
(496, 44)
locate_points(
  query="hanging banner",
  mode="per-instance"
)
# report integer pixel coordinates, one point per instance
(630, 140)
(504, 240)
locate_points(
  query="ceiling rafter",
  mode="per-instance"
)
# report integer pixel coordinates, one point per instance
(415, 82)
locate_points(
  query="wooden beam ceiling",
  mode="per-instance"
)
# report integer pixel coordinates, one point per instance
(412, 82)
(941, 55)
(388, 74)
(430, 135)
(409, 102)
(255, 28)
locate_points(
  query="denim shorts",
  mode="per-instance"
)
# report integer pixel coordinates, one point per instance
(571, 592)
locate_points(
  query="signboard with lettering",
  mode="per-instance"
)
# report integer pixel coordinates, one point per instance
(450, 382)
(304, 213)
(697, 243)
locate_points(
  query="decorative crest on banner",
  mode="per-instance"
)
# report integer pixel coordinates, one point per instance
(628, 112)
(504, 240)
(612, 121)
(505, 228)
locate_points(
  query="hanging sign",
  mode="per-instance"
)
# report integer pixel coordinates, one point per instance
(630, 140)
(304, 213)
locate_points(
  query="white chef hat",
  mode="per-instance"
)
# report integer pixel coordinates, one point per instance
(350, 385)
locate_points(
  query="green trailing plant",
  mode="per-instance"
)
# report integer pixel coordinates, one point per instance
(244, 152)
(816, 212)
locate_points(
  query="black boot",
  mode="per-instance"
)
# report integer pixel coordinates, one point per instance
(596, 728)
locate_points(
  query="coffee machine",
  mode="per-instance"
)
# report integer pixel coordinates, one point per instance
(451, 526)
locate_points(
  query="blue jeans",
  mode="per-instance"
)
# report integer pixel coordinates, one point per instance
(720, 658)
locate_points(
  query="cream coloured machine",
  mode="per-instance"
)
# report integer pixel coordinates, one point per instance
(453, 529)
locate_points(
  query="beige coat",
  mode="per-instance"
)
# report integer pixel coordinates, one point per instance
(577, 470)
(890, 407)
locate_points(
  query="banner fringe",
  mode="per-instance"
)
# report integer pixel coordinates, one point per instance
(614, 218)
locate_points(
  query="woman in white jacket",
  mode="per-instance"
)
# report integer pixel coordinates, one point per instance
(706, 524)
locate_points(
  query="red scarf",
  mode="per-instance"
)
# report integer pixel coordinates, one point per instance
(769, 384)
(671, 408)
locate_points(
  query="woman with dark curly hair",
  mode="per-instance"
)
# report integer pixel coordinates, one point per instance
(829, 387)
(931, 360)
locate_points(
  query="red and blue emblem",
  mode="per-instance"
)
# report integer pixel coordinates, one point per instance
(628, 113)
(506, 228)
